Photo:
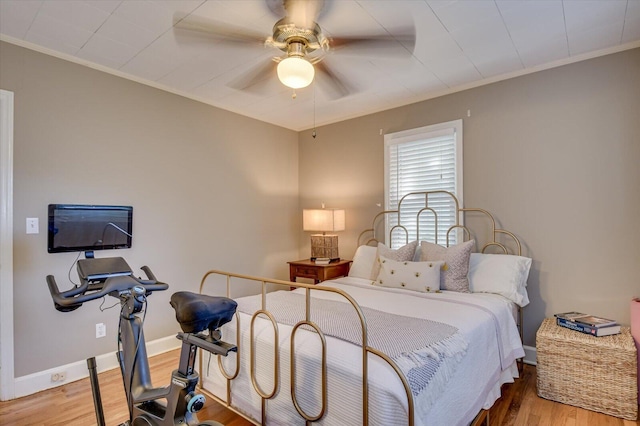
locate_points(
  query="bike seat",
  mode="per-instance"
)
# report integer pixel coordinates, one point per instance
(198, 312)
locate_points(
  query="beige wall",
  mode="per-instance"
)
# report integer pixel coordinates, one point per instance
(554, 155)
(210, 189)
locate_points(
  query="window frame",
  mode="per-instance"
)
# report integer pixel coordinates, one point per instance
(422, 133)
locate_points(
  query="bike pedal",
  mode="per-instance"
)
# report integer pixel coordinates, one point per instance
(195, 402)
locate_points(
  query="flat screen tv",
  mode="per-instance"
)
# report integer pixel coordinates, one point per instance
(80, 227)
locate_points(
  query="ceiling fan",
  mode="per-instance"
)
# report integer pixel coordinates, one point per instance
(303, 43)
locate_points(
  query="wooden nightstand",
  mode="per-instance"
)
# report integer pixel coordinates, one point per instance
(318, 273)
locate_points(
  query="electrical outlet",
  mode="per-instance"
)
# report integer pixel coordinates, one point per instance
(101, 330)
(60, 376)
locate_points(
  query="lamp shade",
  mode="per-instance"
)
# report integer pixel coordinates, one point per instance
(323, 220)
(295, 72)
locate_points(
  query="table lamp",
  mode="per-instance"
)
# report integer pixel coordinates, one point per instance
(323, 220)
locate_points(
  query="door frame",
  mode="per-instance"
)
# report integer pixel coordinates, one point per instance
(7, 379)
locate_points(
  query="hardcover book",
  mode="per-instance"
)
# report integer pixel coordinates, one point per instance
(571, 316)
(594, 321)
(583, 328)
(590, 320)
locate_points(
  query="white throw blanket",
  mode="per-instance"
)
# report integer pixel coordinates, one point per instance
(492, 340)
(426, 351)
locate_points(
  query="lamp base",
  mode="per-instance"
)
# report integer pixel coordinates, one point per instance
(325, 246)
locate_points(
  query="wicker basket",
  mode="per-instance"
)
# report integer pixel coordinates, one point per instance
(596, 373)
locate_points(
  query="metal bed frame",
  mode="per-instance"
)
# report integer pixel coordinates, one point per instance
(391, 219)
(267, 285)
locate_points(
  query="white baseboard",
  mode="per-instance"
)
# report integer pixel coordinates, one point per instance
(529, 355)
(36, 382)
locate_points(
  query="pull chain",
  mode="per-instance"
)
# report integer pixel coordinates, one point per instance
(313, 134)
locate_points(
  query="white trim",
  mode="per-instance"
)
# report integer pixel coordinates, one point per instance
(6, 247)
(36, 382)
(530, 355)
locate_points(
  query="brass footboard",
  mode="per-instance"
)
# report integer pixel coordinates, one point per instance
(265, 285)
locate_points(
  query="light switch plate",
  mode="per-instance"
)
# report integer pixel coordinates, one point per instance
(32, 225)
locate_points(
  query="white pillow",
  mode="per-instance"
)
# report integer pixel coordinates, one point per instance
(501, 274)
(363, 262)
(416, 276)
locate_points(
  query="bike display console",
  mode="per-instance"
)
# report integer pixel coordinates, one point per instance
(95, 270)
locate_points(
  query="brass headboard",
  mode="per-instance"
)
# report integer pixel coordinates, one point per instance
(427, 216)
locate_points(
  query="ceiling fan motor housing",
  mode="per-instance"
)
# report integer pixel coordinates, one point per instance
(297, 41)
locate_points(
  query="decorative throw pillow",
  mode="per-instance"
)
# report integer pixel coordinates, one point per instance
(403, 253)
(456, 258)
(417, 276)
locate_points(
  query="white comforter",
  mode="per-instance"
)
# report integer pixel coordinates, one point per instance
(485, 320)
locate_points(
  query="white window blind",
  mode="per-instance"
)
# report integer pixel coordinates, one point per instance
(418, 160)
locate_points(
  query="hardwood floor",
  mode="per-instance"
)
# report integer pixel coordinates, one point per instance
(520, 405)
(72, 404)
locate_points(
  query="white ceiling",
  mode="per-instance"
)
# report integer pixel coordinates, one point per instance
(459, 44)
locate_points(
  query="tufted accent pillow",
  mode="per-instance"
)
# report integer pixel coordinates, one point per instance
(456, 258)
(403, 253)
(416, 276)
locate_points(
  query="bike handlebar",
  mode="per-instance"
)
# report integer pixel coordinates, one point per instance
(72, 299)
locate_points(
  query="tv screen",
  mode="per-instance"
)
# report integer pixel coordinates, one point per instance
(76, 227)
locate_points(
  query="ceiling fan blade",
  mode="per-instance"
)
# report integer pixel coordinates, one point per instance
(303, 13)
(193, 26)
(258, 79)
(399, 44)
(330, 83)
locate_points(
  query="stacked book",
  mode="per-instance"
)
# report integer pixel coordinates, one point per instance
(589, 324)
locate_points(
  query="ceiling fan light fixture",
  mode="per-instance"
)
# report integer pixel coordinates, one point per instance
(295, 72)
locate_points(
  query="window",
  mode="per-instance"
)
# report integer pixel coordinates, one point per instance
(424, 159)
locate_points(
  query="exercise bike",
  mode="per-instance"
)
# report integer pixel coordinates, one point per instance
(199, 316)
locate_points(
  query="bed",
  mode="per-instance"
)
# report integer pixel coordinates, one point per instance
(392, 343)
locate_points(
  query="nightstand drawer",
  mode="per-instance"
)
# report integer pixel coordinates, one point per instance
(306, 272)
(318, 273)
